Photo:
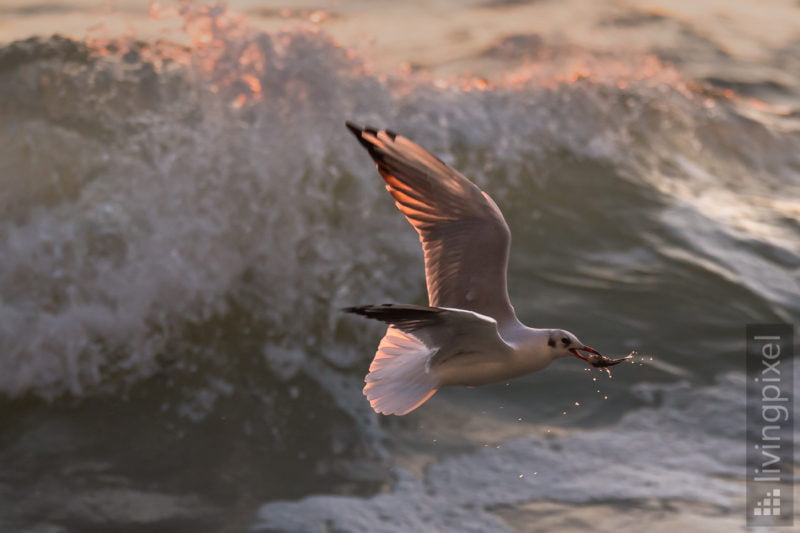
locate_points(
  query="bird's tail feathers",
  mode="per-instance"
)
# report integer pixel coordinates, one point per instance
(399, 378)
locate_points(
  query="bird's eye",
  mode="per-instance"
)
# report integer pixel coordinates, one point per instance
(565, 341)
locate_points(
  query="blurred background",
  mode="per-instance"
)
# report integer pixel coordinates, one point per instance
(182, 214)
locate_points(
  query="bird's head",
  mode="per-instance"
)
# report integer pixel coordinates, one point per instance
(567, 344)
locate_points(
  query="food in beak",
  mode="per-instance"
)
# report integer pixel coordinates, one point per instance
(596, 359)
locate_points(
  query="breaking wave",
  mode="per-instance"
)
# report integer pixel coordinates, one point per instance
(183, 222)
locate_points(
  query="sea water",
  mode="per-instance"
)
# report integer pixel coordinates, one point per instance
(180, 226)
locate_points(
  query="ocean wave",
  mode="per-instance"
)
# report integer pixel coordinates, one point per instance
(151, 191)
(180, 224)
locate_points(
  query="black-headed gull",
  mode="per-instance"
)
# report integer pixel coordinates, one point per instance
(469, 334)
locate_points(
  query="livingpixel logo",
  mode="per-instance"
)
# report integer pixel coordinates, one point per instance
(769, 505)
(770, 425)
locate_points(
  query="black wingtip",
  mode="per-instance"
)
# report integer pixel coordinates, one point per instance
(405, 316)
(354, 128)
(359, 131)
(365, 310)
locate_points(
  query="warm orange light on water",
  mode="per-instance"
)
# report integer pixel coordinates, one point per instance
(224, 48)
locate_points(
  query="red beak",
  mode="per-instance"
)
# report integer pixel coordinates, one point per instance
(596, 359)
(586, 349)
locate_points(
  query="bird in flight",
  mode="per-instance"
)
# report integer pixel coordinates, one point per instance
(469, 333)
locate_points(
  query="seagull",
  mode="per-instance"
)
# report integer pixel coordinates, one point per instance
(468, 334)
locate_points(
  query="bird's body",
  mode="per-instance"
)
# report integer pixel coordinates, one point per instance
(488, 364)
(469, 335)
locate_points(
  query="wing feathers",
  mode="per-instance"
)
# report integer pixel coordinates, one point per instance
(407, 318)
(399, 379)
(464, 237)
(420, 344)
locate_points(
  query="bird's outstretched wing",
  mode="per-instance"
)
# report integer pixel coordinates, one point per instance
(449, 331)
(464, 237)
